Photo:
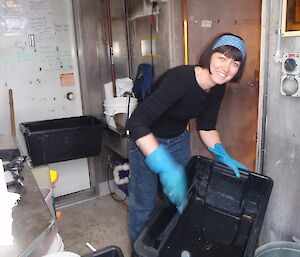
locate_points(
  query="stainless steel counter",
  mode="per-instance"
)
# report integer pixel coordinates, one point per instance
(33, 225)
(116, 141)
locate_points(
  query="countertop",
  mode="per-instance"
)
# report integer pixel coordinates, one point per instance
(33, 225)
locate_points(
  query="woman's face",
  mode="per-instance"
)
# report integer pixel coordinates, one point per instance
(223, 68)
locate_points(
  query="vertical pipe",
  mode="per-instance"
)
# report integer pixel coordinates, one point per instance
(185, 33)
(185, 40)
(281, 29)
(12, 113)
(111, 53)
(126, 7)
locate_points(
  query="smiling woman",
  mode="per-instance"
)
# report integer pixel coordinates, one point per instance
(222, 70)
(159, 145)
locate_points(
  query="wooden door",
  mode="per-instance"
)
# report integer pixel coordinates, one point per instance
(237, 122)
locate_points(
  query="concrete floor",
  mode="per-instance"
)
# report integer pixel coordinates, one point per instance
(101, 221)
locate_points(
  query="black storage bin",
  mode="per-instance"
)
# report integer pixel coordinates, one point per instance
(222, 218)
(63, 139)
(111, 251)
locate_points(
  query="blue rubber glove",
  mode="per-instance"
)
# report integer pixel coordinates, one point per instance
(222, 156)
(171, 174)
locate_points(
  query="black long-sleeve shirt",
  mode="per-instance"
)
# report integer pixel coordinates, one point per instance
(175, 98)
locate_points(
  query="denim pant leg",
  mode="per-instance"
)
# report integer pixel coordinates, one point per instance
(142, 192)
(179, 147)
(143, 182)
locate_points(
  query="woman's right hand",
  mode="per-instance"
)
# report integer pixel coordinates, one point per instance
(171, 174)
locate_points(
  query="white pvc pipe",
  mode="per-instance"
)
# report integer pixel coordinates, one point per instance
(277, 56)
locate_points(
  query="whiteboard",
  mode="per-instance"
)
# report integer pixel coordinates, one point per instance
(38, 61)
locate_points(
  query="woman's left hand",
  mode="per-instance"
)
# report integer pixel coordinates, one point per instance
(222, 156)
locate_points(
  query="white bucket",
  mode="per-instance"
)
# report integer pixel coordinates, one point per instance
(62, 254)
(117, 105)
(56, 245)
(276, 249)
(108, 90)
(123, 85)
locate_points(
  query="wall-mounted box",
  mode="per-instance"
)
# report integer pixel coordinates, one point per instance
(63, 139)
(290, 18)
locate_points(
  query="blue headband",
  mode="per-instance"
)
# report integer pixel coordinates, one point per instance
(231, 40)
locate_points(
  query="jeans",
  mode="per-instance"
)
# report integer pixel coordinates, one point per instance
(143, 185)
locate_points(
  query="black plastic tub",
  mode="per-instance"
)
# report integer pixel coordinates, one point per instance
(111, 251)
(223, 216)
(63, 139)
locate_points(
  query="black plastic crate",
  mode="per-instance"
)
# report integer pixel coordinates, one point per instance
(63, 139)
(223, 216)
(111, 251)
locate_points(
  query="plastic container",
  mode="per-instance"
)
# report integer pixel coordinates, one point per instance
(278, 249)
(124, 85)
(223, 215)
(111, 251)
(63, 139)
(108, 90)
(117, 105)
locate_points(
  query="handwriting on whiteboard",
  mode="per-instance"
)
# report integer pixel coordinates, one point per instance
(40, 18)
(19, 17)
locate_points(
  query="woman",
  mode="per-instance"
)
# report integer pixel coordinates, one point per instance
(159, 140)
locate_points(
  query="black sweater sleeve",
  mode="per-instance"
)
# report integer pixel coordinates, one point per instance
(156, 104)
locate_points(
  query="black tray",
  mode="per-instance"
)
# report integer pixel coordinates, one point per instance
(111, 251)
(223, 217)
(63, 139)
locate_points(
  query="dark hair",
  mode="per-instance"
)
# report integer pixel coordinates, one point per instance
(229, 51)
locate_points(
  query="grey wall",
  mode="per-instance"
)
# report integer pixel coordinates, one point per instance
(282, 143)
(95, 64)
(92, 52)
(90, 29)
(169, 41)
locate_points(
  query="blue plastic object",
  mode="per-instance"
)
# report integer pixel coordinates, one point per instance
(171, 174)
(222, 156)
(143, 81)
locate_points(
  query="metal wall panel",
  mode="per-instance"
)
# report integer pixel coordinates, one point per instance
(282, 142)
(95, 64)
(168, 31)
(118, 24)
